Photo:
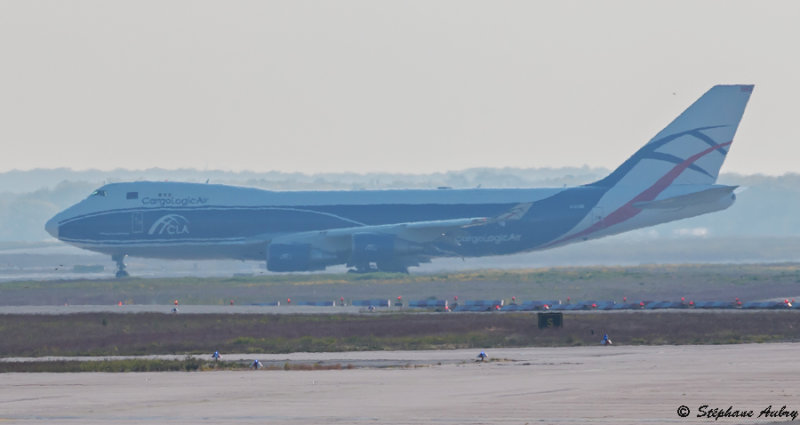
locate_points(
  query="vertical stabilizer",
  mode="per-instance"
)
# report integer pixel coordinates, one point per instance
(691, 149)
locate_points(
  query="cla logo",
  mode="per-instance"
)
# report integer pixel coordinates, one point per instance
(171, 224)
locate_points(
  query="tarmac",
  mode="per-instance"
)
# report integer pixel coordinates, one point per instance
(182, 309)
(568, 385)
(303, 309)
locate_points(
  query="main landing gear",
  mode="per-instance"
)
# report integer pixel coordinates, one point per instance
(388, 267)
(120, 260)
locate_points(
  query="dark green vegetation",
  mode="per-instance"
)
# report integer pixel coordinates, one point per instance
(749, 282)
(132, 365)
(188, 364)
(140, 334)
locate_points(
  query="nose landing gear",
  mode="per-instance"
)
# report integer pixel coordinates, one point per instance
(120, 260)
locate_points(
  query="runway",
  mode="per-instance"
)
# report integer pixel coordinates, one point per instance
(301, 309)
(182, 309)
(628, 385)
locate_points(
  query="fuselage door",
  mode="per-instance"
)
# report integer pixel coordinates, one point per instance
(137, 222)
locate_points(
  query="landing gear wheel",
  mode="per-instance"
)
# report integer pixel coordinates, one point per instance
(361, 268)
(120, 260)
(392, 268)
(388, 267)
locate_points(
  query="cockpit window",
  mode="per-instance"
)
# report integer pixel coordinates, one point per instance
(99, 192)
(133, 195)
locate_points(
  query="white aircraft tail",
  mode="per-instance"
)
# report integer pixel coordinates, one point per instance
(691, 149)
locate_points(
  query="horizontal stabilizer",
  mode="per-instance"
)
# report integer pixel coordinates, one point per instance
(690, 200)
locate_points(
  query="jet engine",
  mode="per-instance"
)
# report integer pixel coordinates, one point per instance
(380, 248)
(296, 258)
(372, 247)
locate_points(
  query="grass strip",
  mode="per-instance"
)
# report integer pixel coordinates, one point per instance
(102, 334)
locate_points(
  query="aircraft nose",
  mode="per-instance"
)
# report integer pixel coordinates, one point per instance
(52, 227)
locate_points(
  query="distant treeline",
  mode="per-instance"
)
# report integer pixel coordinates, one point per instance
(28, 198)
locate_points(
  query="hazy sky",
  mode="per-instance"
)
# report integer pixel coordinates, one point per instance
(401, 86)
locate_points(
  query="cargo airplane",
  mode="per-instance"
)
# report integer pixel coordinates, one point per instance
(672, 177)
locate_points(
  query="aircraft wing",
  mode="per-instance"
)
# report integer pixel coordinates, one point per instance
(393, 246)
(418, 232)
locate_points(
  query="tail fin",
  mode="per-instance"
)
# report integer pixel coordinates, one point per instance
(691, 149)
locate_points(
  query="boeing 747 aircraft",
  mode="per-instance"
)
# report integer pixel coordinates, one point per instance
(672, 177)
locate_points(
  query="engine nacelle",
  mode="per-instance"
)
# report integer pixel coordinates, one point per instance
(372, 247)
(294, 258)
(382, 248)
